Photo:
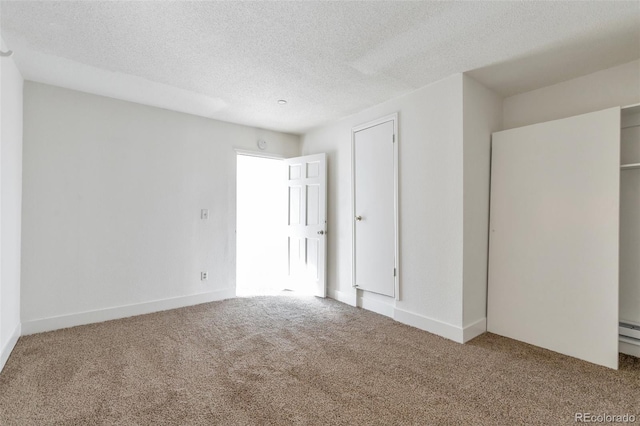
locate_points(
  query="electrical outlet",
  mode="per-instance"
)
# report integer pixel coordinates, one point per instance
(204, 214)
(204, 276)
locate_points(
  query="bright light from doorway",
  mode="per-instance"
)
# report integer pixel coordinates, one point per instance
(261, 245)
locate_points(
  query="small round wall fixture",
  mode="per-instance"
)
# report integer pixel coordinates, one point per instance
(282, 101)
(262, 144)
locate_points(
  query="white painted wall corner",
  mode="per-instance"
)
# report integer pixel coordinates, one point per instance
(448, 331)
(474, 330)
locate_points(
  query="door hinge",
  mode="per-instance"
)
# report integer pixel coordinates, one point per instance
(393, 139)
(394, 272)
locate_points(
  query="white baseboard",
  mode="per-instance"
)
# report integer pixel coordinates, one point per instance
(474, 330)
(344, 297)
(353, 299)
(451, 332)
(629, 346)
(376, 306)
(445, 330)
(82, 318)
(8, 348)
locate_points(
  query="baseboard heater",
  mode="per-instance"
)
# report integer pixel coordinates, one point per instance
(631, 331)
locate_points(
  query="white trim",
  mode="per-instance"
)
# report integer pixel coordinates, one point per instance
(629, 346)
(372, 123)
(634, 323)
(8, 348)
(376, 306)
(343, 297)
(630, 106)
(396, 214)
(474, 330)
(261, 154)
(394, 118)
(100, 315)
(445, 330)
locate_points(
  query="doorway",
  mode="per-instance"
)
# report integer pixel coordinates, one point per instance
(261, 250)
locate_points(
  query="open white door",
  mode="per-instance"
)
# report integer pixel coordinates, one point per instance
(307, 188)
(553, 256)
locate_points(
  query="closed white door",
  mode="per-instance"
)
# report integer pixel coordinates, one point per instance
(307, 219)
(553, 256)
(374, 207)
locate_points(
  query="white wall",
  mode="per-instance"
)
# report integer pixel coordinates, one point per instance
(444, 143)
(111, 211)
(617, 86)
(482, 115)
(11, 84)
(430, 180)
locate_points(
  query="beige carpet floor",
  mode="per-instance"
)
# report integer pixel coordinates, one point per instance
(306, 361)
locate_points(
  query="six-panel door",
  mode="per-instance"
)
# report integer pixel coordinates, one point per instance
(307, 218)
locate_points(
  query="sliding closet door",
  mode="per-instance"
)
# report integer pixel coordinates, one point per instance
(553, 264)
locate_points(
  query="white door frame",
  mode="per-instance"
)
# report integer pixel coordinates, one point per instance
(394, 118)
(261, 154)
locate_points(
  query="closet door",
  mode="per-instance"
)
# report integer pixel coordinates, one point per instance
(374, 151)
(553, 263)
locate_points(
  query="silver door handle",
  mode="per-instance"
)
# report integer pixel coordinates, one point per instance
(358, 218)
(320, 232)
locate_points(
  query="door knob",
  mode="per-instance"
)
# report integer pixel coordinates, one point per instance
(321, 232)
(358, 218)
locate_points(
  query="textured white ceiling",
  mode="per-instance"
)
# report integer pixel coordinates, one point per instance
(233, 60)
